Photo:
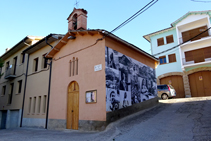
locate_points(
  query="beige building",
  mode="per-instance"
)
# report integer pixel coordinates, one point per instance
(38, 77)
(12, 83)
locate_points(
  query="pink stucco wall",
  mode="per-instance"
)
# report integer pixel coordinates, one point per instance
(87, 78)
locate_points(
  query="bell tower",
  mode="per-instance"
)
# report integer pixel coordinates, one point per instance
(77, 20)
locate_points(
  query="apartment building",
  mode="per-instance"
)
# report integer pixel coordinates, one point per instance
(38, 82)
(13, 81)
(184, 53)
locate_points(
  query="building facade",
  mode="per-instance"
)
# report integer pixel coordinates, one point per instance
(184, 54)
(74, 81)
(37, 86)
(95, 73)
(12, 83)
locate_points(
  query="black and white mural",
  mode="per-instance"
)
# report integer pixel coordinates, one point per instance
(127, 81)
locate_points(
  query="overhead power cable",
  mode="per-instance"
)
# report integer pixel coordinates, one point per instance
(142, 10)
(201, 1)
(181, 43)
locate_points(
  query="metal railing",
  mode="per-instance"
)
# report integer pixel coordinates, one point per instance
(10, 72)
(193, 62)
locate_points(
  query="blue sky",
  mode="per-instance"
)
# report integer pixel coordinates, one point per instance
(19, 18)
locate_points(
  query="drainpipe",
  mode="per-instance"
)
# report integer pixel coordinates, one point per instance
(49, 88)
(24, 92)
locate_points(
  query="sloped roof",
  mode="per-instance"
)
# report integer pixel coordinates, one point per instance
(207, 12)
(20, 45)
(147, 37)
(64, 40)
(40, 44)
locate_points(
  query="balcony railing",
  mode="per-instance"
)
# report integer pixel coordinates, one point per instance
(10, 72)
(193, 38)
(194, 62)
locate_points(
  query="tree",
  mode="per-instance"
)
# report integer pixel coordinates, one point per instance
(1, 65)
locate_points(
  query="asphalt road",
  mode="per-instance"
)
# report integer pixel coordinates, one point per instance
(172, 120)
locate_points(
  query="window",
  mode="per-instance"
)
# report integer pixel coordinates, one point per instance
(169, 39)
(44, 103)
(11, 93)
(3, 90)
(192, 34)
(22, 57)
(162, 59)
(15, 64)
(30, 102)
(45, 61)
(34, 106)
(75, 22)
(39, 104)
(198, 55)
(160, 41)
(207, 52)
(7, 65)
(19, 86)
(35, 64)
(172, 58)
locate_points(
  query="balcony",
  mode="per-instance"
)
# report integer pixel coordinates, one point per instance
(10, 72)
(194, 34)
(197, 56)
(190, 63)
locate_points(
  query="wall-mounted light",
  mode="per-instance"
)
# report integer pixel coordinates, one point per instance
(71, 37)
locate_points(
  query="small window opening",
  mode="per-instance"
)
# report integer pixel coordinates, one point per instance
(75, 22)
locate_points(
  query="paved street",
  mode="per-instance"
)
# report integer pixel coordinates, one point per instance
(175, 119)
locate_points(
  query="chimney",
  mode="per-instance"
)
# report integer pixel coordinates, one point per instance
(77, 20)
(7, 49)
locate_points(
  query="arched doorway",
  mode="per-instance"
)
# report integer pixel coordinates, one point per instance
(73, 106)
(177, 82)
(200, 83)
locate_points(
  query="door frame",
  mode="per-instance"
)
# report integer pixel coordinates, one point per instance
(77, 111)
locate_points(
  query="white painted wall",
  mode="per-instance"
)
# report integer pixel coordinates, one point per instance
(188, 23)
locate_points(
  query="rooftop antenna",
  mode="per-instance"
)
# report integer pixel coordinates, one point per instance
(76, 3)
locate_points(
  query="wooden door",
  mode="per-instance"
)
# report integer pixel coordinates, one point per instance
(177, 82)
(73, 106)
(200, 83)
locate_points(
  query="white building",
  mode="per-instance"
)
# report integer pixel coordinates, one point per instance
(184, 51)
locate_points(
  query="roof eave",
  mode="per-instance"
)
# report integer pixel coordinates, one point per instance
(41, 43)
(103, 32)
(10, 52)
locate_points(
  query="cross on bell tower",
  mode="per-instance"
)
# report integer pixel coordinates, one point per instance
(76, 3)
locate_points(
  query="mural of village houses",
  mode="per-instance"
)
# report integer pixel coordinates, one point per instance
(127, 81)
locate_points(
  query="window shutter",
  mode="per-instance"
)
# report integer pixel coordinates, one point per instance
(169, 39)
(160, 41)
(172, 58)
(207, 52)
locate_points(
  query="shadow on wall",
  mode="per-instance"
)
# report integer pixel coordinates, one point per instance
(118, 114)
